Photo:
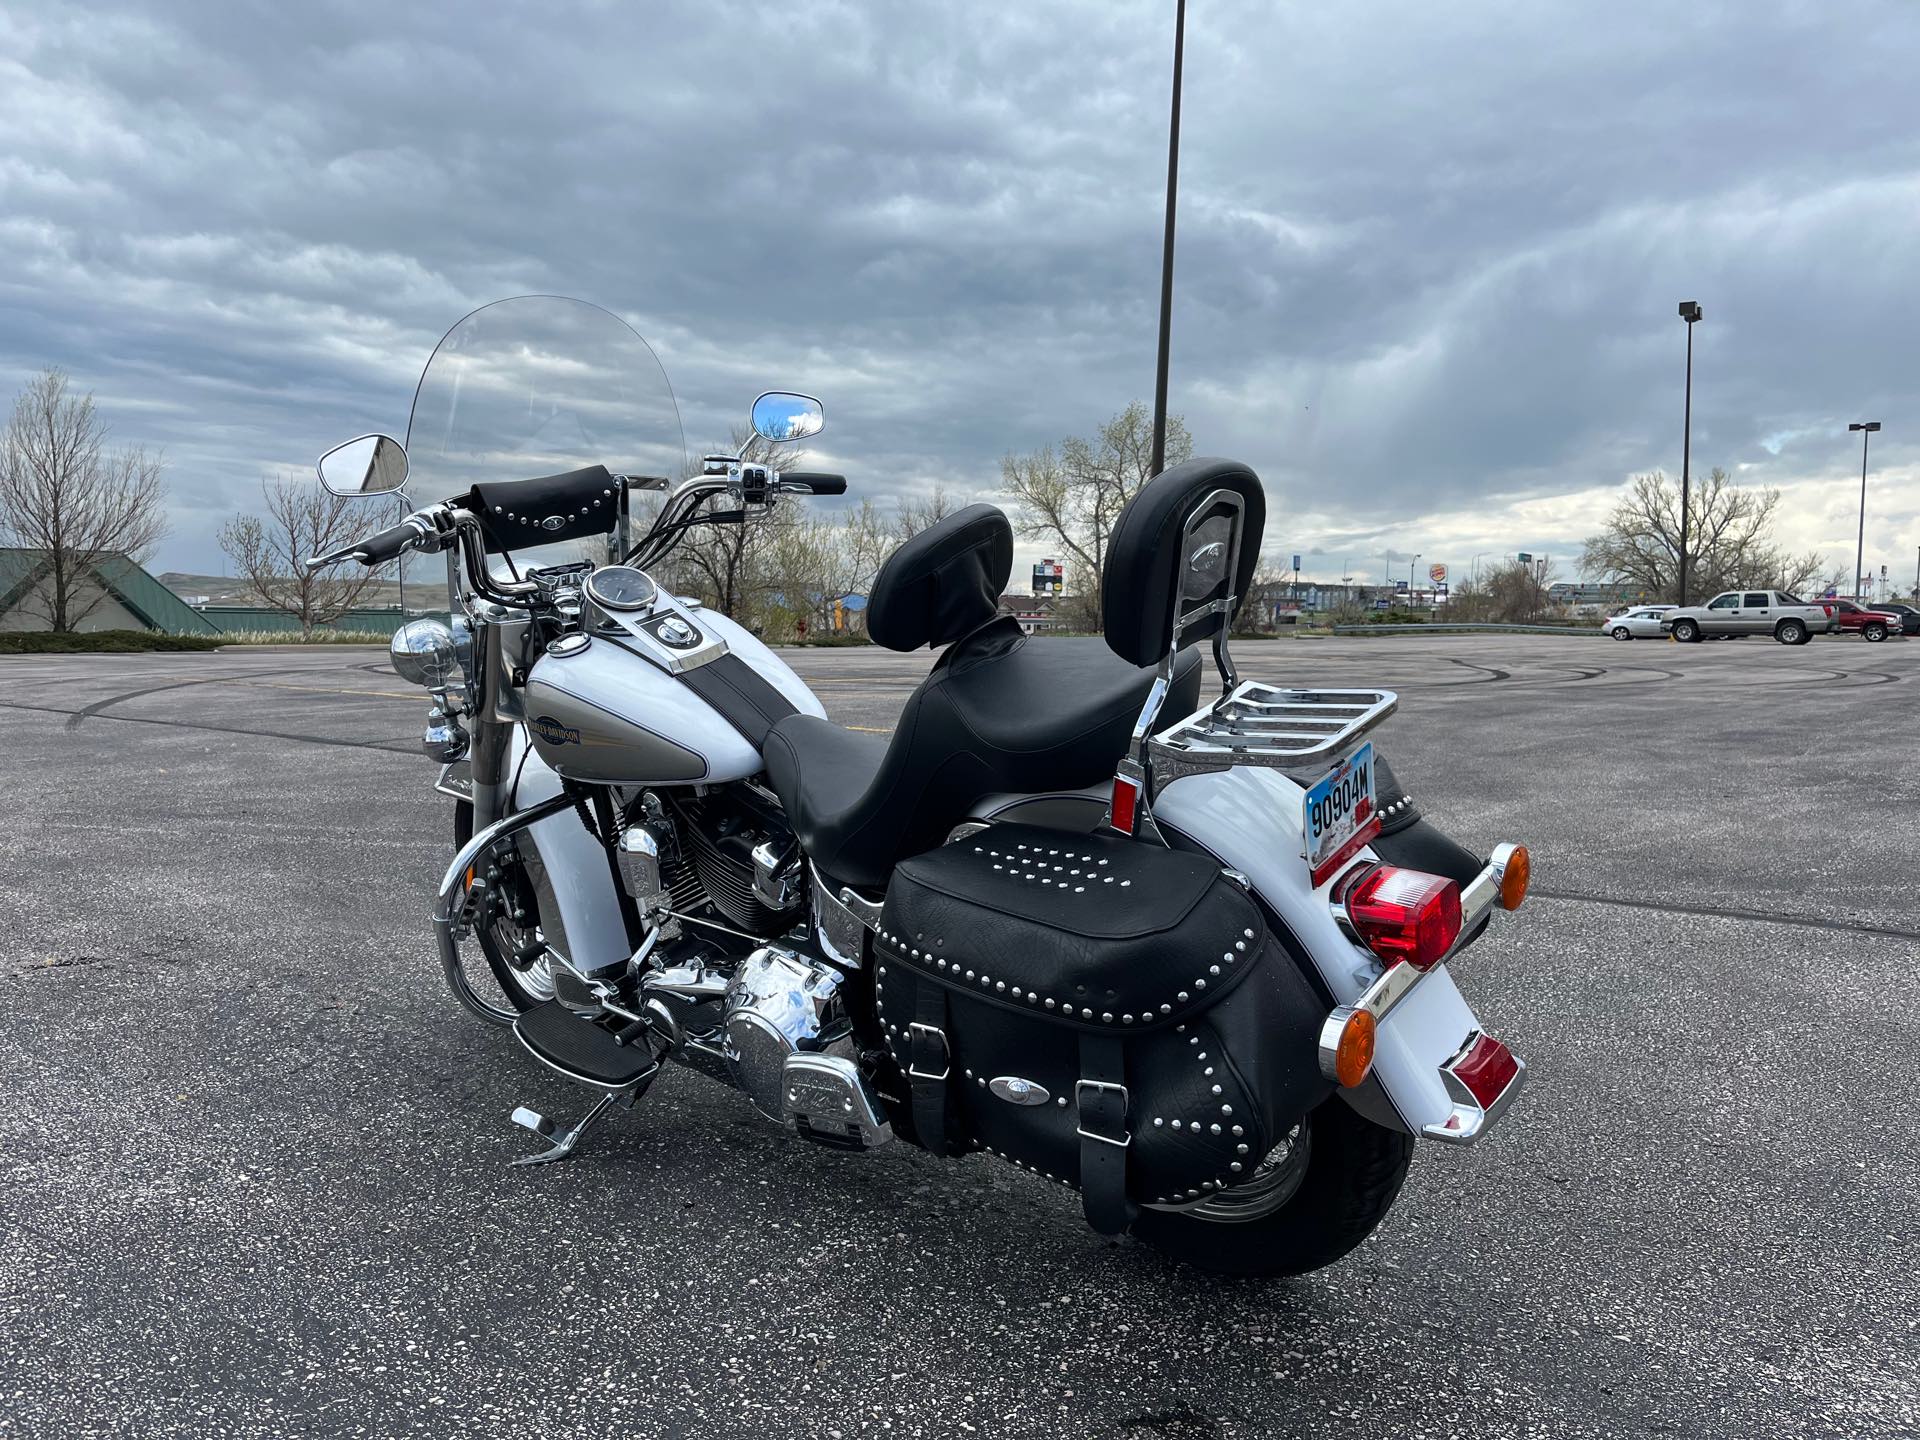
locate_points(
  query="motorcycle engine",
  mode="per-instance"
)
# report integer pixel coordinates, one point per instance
(719, 834)
(778, 1004)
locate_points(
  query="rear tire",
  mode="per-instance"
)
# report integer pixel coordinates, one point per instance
(1353, 1175)
(1686, 631)
(1620, 632)
(1791, 632)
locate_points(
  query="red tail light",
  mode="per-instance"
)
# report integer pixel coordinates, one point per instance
(1405, 915)
(1486, 1069)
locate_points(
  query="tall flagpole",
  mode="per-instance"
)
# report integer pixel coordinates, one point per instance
(1166, 253)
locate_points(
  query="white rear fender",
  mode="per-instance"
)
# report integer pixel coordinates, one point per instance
(1251, 820)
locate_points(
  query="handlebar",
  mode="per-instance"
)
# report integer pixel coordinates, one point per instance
(380, 548)
(820, 482)
(387, 545)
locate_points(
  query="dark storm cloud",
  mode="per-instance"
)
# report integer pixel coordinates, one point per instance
(1428, 260)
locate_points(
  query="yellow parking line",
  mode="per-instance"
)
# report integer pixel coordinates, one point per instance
(328, 689)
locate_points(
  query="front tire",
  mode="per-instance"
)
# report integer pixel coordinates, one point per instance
(1354, 1171)
(1686, 631)
(1875, 632)
(502, 939)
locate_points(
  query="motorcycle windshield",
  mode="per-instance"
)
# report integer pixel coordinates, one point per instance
(537, 385)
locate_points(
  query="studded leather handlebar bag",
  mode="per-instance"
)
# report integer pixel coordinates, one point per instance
(1107, 1013)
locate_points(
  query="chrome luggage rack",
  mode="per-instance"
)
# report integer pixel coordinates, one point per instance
(1252, 723)
(1259, 724)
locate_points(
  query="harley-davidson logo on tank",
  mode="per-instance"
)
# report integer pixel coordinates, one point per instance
(553, 732)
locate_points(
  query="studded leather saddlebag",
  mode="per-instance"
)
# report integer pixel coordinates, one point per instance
(1105, 1012)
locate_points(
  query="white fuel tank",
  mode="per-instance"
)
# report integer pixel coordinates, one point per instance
(600, 710)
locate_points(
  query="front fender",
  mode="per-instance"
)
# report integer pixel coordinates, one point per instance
(593, 930)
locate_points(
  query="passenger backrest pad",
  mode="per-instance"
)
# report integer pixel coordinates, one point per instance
(1191, 536)
(944, 582)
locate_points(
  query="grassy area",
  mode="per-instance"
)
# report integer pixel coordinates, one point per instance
(120, 642)
(292, 637)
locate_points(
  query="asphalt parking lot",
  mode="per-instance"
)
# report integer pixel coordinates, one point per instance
(255, 1168)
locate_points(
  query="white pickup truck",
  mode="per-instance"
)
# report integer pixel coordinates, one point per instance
(1790, 620)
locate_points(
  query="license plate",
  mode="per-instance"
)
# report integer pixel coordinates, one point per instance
(1341, 815)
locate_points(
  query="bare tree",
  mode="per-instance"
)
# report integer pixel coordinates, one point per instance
(65, 495)
(1730, 542)
(924, 513)
(726, 564)
(1073, 499)
(271, 552)
(813, 564)
(1515, 592)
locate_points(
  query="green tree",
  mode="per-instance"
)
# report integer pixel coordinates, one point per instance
(1072, 498)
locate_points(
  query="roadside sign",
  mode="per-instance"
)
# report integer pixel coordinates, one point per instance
(1296, 562)
(1437, 574)
(1399, 587)
(1525, 558)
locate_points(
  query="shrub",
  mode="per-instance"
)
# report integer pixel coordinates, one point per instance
(292, 637)
(47, 642)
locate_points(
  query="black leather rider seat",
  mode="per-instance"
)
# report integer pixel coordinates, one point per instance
(998, 712)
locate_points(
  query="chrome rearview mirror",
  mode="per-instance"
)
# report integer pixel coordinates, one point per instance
(368, 465)
(779, 415)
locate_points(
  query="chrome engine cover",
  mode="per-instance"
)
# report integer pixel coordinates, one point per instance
(775, 1000)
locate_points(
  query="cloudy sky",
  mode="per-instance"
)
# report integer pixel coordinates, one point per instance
(1428, 266)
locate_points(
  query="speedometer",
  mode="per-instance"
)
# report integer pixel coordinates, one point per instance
(620, 587)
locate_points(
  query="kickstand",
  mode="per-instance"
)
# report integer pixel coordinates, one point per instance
(564, 1146)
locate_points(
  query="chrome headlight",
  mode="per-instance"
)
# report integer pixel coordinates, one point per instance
(424, 652)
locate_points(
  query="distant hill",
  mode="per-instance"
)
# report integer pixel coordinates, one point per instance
(230, 590)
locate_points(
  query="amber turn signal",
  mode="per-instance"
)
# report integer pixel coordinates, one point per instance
(1353, 1057)
(1514, 877)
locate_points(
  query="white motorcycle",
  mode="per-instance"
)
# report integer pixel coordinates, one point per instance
(1189, 955)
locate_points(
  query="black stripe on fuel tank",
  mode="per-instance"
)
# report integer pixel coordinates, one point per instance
(744, 697)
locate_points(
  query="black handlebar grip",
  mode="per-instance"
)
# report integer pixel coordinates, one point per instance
(818, 481)
(378, 549)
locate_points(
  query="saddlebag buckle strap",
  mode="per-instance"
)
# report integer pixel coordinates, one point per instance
(1100, 1097)
(929, 1063)
(1106, 1111)
(928, 1043)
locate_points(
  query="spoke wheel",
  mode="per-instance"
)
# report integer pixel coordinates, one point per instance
(518, 967)
(1274, 1182)
(1313, 1197)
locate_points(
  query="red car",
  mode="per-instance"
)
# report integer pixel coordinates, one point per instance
(1852, 619)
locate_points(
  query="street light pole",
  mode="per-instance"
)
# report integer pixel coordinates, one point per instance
(401, 572)
(1866, 428)
(1689, 312)
(1166, 249)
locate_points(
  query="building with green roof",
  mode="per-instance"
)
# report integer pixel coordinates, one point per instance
(128, 597)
